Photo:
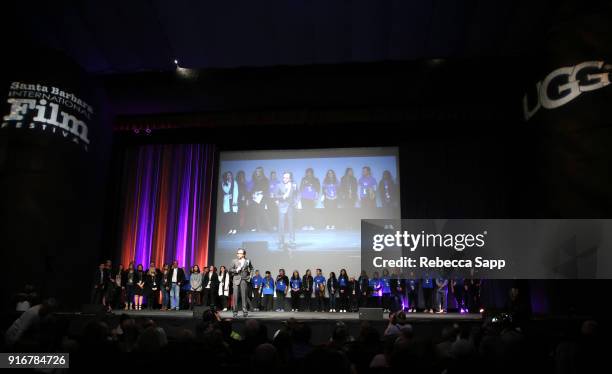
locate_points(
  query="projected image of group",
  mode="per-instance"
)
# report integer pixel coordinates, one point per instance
(305, 201)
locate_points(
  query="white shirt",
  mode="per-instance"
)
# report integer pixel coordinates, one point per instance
(174, 275)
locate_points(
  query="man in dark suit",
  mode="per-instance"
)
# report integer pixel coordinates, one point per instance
(177, 277)
(99, 283)
(241, 271)
(286, 195)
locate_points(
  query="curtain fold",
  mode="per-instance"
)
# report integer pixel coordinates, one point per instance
(167, 192)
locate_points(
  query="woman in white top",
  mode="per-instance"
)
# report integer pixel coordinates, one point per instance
(224, 287)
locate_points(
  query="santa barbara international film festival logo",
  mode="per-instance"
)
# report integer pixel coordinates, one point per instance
(565, 84)
(49, 109)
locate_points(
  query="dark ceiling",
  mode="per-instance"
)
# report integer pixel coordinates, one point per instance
(107, 37)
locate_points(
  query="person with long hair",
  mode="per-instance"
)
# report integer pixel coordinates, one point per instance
(307, 288)
(332, 287)
(343, 290)
(130, 286)
(151, 289)
(140, 279)
(230, 189)
(166, 284)
(367, 189)
(271, 201)
(310, 188)
(259, 200)
(119, 277)
(210, 284)
(353, 295)
(330, 199)
(319, 290)
(296, 288)
(412, 288)
(385, 281)
(224, 287)
(388, 190)
(348, 195)
(195, 282)
(242, 199)
(363, 287)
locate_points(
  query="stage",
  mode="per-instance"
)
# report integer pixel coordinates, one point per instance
(303, 316)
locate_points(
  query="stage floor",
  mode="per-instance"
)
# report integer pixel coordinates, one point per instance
(302, 316)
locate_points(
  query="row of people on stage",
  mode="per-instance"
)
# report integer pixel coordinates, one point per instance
(252, 204)
(170, 288)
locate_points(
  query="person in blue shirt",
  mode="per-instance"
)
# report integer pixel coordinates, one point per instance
(267, 290)
(412, 288)
(375, 287)
(367, 189)
(385, 290)
(343, 290)
(282, 285)
(256, 282)
(330, 199)
(427, 286)
(296, 289)
(319, 285)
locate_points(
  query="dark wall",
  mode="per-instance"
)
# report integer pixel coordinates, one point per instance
(51, 183)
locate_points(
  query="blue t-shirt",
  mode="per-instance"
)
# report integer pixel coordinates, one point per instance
(386, 284)
(296, 283)
(280, 284)
(427, 283)
(268, 286)
(330, 190)
(412, 283)
(366, 184)
(318, 281)
(256, 281)
(375, 286)
(342, 282)
(274, 183)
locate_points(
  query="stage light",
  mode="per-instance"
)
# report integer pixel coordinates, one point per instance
(481, 310)
(176, 62)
